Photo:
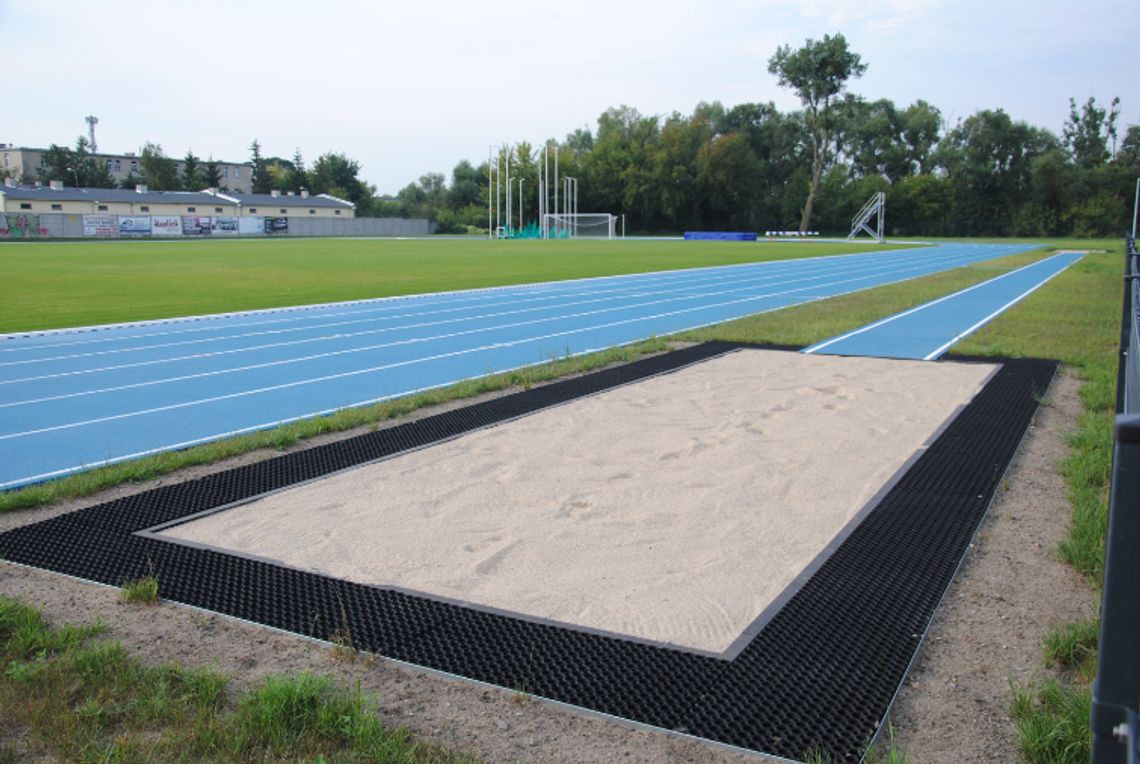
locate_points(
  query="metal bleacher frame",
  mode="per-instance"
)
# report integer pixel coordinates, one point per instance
(1116, 691)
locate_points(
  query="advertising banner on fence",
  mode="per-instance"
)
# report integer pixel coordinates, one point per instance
(165, 225)
(192, 225)
(277, 225)
(100, 225)
(21, 226)
(134, 225)
(223, 226)
(251, 226)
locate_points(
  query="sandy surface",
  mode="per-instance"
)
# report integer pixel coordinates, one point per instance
(673, 510)
(954, 708)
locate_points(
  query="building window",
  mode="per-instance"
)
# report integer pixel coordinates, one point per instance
(134, 165)
(217, 209)
(108, 165)
(237, 172)
(25, 205)
(57, 207)
(282, 210)
(118, 165)
(144, 208)
(336, 212)
(102, 208)
(225, 172)
(191, 209)
(253, 210)
(312, 212)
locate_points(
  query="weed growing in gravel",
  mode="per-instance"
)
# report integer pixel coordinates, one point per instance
(143, 591)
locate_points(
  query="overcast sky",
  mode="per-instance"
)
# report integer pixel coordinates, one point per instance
(413, 87)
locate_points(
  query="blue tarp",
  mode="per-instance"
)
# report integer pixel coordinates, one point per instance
(719, 236)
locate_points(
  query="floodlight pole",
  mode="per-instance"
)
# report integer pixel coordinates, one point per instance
(508, 188)
(521, 221)
(556, 179)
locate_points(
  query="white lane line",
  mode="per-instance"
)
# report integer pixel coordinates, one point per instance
(714, 274)
(795, 266)
(382, 305)
(558, 284)
(760, 278)
(613, 295)
(916, 309)
(412, 341)
(943, 348)
(255, 391)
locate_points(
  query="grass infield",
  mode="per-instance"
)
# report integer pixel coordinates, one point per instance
(50, 285)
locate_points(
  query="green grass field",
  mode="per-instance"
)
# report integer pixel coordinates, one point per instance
(49, 285)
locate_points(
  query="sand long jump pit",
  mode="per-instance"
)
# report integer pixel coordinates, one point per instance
(739, 543)
(673, 510)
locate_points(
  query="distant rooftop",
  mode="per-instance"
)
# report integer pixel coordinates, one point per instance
(65, 194)
(269, 200)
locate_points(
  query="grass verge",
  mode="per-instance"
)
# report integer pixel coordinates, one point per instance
(69, 696)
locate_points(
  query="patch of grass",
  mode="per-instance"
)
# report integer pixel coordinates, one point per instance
(72, 698)
(142, 591)
(1052, 721)
(1073, 646)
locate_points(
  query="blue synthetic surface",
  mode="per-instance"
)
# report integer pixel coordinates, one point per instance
(75, 399)
(929, 330)
(719, 236)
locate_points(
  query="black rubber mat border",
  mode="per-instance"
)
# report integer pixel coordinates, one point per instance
(819, 676)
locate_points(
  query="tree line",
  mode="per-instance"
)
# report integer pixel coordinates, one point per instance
(752, 167)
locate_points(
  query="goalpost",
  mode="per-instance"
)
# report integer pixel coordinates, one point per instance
(582, 225)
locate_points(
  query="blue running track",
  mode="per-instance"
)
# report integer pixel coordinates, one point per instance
(75, 399)
(929, 330)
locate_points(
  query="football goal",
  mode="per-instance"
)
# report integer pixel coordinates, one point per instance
(582, 225)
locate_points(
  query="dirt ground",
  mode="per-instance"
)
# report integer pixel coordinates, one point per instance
(952, 708)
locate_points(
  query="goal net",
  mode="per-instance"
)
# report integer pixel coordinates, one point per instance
(582, 225)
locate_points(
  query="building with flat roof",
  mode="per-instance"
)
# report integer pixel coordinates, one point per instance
(112, 201)
(22, 164)
(56, 197)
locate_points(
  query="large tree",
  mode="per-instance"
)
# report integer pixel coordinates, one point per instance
(159, 172)
(77, 167)
(818, 72)
(191, 172)
(260, 182)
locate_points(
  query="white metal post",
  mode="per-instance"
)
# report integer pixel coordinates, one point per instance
(556, 179)
(490, 217)
(521, 222)
(546, 190)
(508, 189)
(498, 192)
(1135, 204)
